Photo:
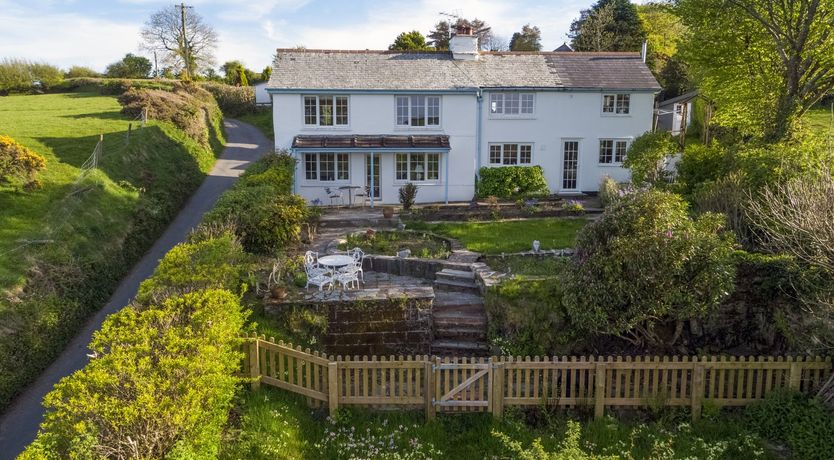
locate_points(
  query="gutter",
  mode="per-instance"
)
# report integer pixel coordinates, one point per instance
(480, 97)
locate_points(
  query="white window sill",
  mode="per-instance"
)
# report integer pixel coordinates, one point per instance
(417, 128)
(312, 183)
(321, 128)
(494, 116)
(419, 183)
(610, 165)
(616, 115)
(498, 165)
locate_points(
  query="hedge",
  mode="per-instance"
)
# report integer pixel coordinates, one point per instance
(234, 101)
(511, 181)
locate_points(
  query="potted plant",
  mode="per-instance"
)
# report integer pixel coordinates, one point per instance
(387, 212)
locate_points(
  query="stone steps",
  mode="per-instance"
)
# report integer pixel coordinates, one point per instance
(454, 319)
(456, 286)
(461, 333)
(459, 348)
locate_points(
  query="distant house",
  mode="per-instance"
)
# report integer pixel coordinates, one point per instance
(380, 119)
(671, 112)
(262, 97)
(563, 49)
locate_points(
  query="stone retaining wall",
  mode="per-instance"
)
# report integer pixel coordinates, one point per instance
(376, 322)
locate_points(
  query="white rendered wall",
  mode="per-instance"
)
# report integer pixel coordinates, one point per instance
(560, 116)
(373, 114)
(261, 96)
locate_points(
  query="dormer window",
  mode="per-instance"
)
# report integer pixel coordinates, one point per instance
(616, 104)
(325, 110)
(418, 111)
(511, 104)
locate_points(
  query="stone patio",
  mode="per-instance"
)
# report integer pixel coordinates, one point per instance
(377, 286)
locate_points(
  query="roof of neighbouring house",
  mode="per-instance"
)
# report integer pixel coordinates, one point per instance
(564, 47)
(370, 141)
(685, 97)
(438, 71)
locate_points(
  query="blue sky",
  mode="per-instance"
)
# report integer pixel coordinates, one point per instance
(97, 32)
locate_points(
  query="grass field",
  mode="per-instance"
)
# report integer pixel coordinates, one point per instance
(273, 424)
(64, 128)
(511, 235)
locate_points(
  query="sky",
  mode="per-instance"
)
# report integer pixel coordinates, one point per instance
(95, 33)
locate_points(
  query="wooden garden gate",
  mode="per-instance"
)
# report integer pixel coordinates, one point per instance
(462, 385)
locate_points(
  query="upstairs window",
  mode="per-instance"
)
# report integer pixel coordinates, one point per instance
(612, 151)
(325, 110)
(510, 154)
(418, 111)
(511, 104)
(616, 104)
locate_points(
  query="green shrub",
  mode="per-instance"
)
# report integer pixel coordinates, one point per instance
(266, 220)
(646, 263)
(510, 181)
(646, 157)
(18, 163)
(569, 449)
(234, 101)
(609, 191)
(804, 424)
(160, 385)
(408, 195)
(78, 71)
(526, 317)
(218, 263)
(274, 169)
(21, 75)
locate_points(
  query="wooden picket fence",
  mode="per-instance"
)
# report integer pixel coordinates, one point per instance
(490, 384)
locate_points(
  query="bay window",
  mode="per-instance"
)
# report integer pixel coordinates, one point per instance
(418, 111)
(327, 167)
(326, 110)
(417, 167)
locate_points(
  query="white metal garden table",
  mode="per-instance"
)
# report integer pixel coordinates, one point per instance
(336, 261)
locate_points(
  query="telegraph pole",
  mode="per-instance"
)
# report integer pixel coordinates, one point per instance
(187, 61)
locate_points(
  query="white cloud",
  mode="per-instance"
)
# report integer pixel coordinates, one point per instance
(66, 39)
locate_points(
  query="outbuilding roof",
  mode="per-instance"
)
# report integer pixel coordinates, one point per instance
(438, 71)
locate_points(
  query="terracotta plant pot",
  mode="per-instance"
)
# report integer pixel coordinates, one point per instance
(387, 212)
(279, 292)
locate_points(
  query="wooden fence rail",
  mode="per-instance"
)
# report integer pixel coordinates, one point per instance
(490, 384)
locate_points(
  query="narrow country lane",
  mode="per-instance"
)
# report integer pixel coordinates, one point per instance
(19, 424)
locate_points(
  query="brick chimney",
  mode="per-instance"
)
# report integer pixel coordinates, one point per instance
(464, 44)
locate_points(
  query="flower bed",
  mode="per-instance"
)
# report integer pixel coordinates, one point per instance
(388, 243)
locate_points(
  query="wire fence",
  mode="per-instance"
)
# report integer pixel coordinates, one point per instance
(62, 213)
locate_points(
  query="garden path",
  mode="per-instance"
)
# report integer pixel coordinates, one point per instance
(19, 424)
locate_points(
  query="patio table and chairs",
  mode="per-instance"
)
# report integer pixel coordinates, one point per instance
(350, 189)
(344, 269)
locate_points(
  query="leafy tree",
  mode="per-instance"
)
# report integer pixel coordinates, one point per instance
(664, 30)
(609, 25)
(21, 75)
(529, 39)
(442, 33)
(78, 71)
(131, 66)
(764, 63)
(645, 265)
(189, 52)
(242, 79)
(266, 74)
(232, 72)
(646, 157)
(409, 41)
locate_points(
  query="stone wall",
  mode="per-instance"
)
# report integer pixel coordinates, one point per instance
(376, 322)
(411, 266)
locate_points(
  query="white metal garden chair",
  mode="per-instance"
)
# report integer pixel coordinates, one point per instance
(346, 279)
(358, 257)
(316, 275)
(334, 195)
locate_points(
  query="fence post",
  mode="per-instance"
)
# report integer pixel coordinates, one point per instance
(795, 376)
(254, 362)
(599, 390)
(333, 387)
(697, 396)
(497, 390)
(428, 392)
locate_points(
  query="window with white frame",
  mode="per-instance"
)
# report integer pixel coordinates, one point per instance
(417, 167)
(418, 111)
(327, 167)
(511, 104)
(326, 110)
(616, 104)
(510, 154)
(612, 151)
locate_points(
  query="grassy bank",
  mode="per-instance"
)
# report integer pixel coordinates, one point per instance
(96, 228)
(511, 235)
(273, 424)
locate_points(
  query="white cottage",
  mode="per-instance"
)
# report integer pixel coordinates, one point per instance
(380, 119)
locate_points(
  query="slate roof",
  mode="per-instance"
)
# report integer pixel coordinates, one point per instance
(437, 70)
(370, 141)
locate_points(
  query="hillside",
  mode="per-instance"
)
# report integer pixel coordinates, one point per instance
(95, 229)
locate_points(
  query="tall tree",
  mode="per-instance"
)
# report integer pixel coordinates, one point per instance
(763, 62)
(409, 41)
(267, 73)
(609, 25)
(442, 33)
(189, 47)
(131, 66)
(529, 39)
(232, 70)
(664, 30)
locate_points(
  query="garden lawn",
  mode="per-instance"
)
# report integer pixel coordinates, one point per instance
(273, 424)
(511, 235)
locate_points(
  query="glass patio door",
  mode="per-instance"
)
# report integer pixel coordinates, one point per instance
(570, 164)
(369, 174)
